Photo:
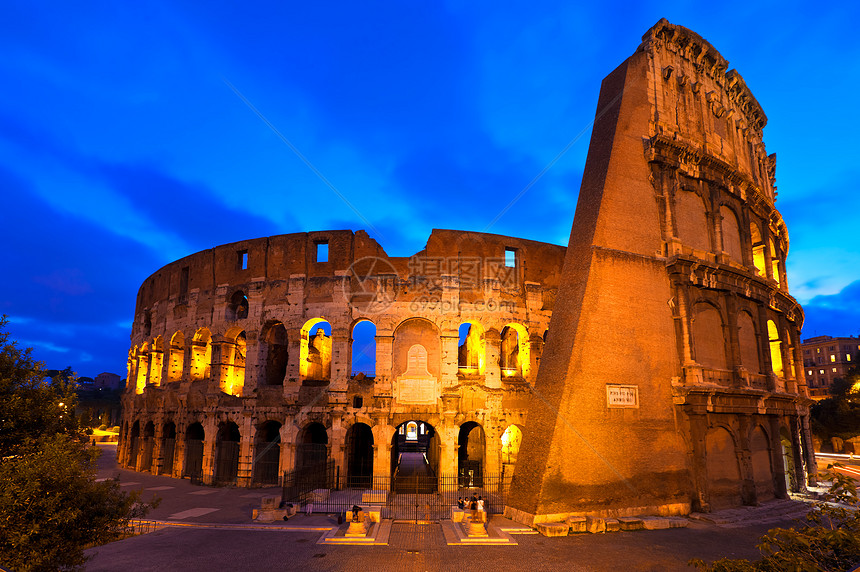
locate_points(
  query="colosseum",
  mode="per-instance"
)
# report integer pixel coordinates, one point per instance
(324, 345)
(668, 381)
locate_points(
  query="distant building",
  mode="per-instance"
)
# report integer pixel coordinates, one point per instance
(107, 381)
(826, 359)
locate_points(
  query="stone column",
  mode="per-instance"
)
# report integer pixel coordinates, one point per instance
(157, 445)
(340, 366)
(179, 451)
(254, 365)
(210, 427)
(748, 492)
(535, 351)
(220, 369)
(492, 343)
(809, 451)
(384, 361)
(776, 461)
(382, 434)
(293, 379)
(248, 437)
(450, 353)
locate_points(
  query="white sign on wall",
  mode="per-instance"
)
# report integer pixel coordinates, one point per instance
(622, 396)
(417, 386)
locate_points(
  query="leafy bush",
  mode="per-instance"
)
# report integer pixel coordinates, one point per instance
(828, 539)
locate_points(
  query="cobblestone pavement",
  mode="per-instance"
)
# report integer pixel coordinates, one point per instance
(211, 529)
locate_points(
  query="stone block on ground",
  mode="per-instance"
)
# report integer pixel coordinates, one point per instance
(595, 524)
(553, 528)
(655, 523)
(612, 525)
(678, 523)
(630, 523)
(576, 523)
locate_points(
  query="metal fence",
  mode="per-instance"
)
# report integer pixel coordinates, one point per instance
(416, 498)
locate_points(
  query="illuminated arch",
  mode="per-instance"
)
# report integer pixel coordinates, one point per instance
(177, 357)
(514, 351)
(472, 352)
(201, 354)
(511, 440)
(775, 349)
(156, 361)
(363, 348)
(757, 249)
(233, 358)
(315, 354)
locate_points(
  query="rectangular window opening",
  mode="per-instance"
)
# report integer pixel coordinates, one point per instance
(183, 280)
(242, 259)
(510, 257)
(322, 251)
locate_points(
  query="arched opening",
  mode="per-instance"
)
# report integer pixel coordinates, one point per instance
(415, 449)
(731, 234)
(709, 343)
(134, 445)
(156, 361)
(201, 354)
(775, 349)
(364, 348)
(472, 351)
(177, 357)
(514, 351)
(168, 447)
(691, 220)
(227, 453)
(148, 442)
(722, 467)
(788, 461)
(359, 461)
(511, 440)
(277, 356)
(194, 436)
(470, 455)
(233, 356)
(142, 359)
(762, 474)
(315, 350)
(757, 249)
(268, 453)
(312, 449)
(237, 309)
(748, 341)
(774, 262)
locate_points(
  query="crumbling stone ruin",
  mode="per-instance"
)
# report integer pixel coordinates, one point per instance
(245, 358)
(669, 380)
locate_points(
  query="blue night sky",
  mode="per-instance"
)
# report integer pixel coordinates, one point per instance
(126, 141)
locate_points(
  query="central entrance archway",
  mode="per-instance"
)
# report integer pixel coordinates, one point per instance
(415, 451)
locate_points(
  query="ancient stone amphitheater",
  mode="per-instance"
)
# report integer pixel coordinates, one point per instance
(669, 380)
(253, 358)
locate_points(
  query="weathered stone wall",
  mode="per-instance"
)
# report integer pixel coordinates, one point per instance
(236, 348)
(670, 364)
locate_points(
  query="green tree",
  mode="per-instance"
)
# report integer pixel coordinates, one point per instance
(827, 540)
(51, 508)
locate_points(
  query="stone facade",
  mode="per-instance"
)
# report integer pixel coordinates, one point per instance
(671, 376)
(670, 379)
(242, 360)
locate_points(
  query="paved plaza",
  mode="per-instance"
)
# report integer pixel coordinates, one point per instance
(210, 528)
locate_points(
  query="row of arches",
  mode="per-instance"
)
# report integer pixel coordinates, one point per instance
(747, 338)
(758, 468)
(704, 224)
(308, 353)
(163, 450)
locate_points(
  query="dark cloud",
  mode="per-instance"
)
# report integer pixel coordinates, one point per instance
(834, 315)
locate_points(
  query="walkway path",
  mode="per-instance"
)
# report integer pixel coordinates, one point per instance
(212, 530)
